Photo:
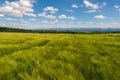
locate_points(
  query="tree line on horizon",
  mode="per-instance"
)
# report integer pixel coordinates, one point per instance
(6, 29)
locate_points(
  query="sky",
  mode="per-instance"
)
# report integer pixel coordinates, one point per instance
(36, 14)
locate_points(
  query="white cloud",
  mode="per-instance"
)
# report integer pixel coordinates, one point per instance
(50, 9)
(94, 7)
(71, 17)
(60, 24)
(99, 17)
(50, 16)
(18, 8)
(1, 15)
(10, 19)
(63, 16)
(25, 3)
(44, 14)
(74, 6)
(91, 5)
(46, 22)
(2, 24)
(32, 19)
(117, 7)
(90, 22)
(30, 14)
(54, 22)
(91, 11)
(69, 10)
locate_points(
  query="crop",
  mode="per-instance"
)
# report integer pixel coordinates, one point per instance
(32, 56)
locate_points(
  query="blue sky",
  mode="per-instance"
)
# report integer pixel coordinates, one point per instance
(35, 14)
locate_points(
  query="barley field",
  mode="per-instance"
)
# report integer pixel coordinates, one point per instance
(32, 56)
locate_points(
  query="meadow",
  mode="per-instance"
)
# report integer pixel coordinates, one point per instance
(33, 56)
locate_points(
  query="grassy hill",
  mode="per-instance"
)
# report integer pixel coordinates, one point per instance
(28, 56)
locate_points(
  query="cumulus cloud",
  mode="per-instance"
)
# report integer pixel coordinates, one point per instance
(18, 8)
(94, 7)
(117, 7)
(44, 14)
(50, 9)
(91, 5)
(50, 16)
(63, 16)
(1, 15)
(30, 14)
(74, 6)
(99, 17)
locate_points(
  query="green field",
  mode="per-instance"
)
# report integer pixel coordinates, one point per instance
(32, 56)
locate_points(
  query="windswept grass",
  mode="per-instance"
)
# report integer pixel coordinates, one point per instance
(28, 56)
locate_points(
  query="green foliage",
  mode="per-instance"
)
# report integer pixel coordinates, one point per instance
(28, 56)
